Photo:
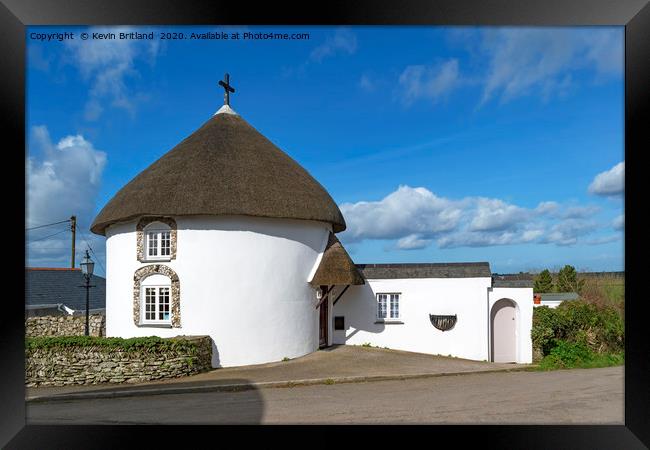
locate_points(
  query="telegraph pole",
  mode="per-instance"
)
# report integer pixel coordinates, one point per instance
(73, 228)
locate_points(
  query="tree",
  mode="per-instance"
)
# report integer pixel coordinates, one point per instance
(544, 282)
(567, 280)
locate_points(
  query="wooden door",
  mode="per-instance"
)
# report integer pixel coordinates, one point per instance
(323, 324)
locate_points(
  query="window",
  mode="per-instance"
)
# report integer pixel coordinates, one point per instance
(156, 295)
(156, 238)
(156, 304)
(388, 306)
(158, 244)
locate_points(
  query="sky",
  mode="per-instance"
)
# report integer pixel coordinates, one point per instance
(439, 144)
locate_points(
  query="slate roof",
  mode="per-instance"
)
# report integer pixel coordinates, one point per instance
(558, 296)
(226, 167)
(425, 270)
(513, 276)
(49, 286)
(496, 282)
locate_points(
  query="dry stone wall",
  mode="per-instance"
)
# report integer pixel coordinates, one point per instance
(74, 365)
(65, 325)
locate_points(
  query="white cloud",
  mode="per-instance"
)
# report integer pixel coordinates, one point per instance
(547, 207)
(403, 212)
(542, 61)
(580, 212)
(486, 239)
(106, 64)
(568, 231)
(619, 222)
(342, 41)
(604, 240)
(416, 218)
(610, 182)
(366, 83)
(605, 49)
(413, 242)
(64, 183)
(429, 82)
(494, 215)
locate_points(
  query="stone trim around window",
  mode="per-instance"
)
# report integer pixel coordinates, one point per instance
(143, 273)
(139, 228)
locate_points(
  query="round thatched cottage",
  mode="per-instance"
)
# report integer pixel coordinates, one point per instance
(222, 236)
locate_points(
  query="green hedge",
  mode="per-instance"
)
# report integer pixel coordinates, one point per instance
(568, 355)
(141, 344)
(578, 334)
(600, 328)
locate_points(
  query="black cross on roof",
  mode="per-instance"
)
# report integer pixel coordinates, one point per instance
(227, 88)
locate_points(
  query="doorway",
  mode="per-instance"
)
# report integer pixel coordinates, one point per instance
(323, 324)
(504, 331)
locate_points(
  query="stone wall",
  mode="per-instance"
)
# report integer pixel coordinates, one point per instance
(65, 325)
(71, 365)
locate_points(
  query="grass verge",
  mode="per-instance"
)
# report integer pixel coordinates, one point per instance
(571, 355)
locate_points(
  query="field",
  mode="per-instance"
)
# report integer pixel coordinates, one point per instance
(604, 290)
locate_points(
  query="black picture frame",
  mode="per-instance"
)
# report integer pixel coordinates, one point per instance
(15, 15)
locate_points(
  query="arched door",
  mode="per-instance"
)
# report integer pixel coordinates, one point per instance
(504, 329)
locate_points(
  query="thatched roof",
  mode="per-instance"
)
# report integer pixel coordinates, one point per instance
(336, 267)
(226, 167)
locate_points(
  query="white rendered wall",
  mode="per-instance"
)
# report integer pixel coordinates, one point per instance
(465, 297)
(550, 303)
(243, 281)
(523, 299)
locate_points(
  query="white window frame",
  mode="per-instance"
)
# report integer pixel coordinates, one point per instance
(388, 317)
(159, 234)
(157, 303)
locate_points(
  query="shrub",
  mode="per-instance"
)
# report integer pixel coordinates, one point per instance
(599, 328)
(568, 355)
(546, 327)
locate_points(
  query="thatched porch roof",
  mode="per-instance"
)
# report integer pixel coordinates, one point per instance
(336, 266)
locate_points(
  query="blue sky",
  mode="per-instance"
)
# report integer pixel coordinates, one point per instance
(439, 144)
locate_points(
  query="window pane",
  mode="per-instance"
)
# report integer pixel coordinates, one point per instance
(163, 303)
(153, 244)
(165, 243)
(149, 302)
(381, 306)
(394, 306)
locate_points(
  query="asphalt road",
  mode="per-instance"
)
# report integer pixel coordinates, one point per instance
(579, 396)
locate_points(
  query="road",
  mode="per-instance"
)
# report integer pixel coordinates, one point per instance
(579, 396)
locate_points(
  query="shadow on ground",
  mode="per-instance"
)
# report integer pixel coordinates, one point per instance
(164, 408)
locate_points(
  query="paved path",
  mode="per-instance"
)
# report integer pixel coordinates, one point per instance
(579, 396)
(336, 362)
